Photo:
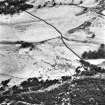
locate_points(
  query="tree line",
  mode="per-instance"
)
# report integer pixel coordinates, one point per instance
(97, 54)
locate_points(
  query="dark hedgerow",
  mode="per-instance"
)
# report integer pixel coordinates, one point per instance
(100, 53)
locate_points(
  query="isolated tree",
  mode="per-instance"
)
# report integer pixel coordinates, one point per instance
(14, 6)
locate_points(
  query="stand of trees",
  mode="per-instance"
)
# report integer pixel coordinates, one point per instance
(13, 6)
(100, 53)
